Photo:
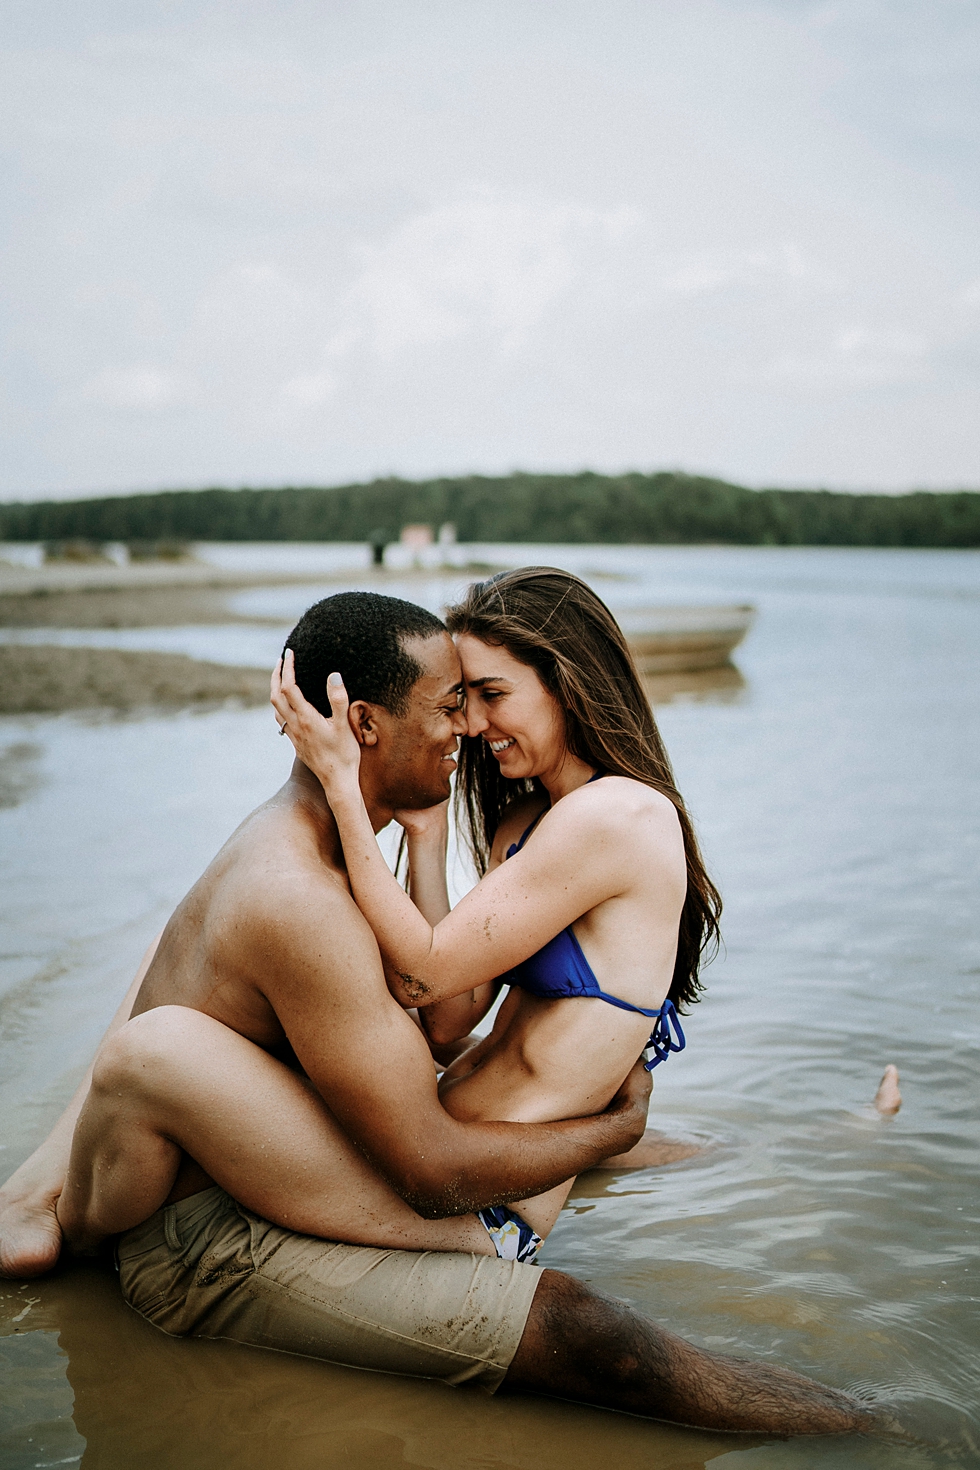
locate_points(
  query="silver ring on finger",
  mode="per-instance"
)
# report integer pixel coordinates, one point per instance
(282, 728)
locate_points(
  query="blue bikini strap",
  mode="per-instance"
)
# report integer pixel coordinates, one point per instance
(516, 846)
(666, 1035)
(624, 1005)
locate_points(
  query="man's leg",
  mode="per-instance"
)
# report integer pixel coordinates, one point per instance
(207, 1268)
(30, 1236)
(582, 1346)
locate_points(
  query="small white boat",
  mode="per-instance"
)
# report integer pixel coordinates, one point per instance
(666, 640)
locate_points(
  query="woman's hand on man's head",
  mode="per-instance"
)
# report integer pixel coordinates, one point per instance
(329, 747)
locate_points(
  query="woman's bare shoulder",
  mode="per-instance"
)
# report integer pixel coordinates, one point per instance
(622, 809)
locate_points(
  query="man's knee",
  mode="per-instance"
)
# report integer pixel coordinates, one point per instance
(575, 1338)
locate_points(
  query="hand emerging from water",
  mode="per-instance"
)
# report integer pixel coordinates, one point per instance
(329, 747)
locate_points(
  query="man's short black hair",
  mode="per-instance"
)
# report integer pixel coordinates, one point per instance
(360, 635)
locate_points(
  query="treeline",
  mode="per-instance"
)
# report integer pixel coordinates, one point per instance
(632, 508)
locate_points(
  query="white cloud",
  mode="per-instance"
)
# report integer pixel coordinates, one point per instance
(859, 356)
(134, 389)
(855, 341)
(489, 265)
(706, 271)
(309, 390)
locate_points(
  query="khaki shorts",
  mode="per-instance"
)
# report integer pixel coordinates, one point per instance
(206, 1267)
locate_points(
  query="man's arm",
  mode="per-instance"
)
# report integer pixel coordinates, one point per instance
(371, 1065)
(30, 1237)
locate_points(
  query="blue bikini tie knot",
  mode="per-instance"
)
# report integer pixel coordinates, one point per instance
(666, 1036)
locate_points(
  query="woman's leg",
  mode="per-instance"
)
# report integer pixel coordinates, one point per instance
(30, 1236)
(175, 1081)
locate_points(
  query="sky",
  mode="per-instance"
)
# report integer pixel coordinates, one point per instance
(314, 243)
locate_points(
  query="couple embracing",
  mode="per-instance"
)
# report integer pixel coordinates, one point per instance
(266, 1133)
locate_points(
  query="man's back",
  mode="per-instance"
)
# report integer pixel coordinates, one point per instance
(223, 948)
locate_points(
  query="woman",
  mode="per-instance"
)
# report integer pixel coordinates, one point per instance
(595, 905)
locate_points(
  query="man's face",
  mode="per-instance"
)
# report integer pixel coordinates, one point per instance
(415, 754)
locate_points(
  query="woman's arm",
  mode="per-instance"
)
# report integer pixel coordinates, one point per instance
(509, 915)
(444, 1021)
(428, 841)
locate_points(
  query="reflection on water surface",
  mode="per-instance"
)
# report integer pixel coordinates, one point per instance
(19, 774)
(838, 796)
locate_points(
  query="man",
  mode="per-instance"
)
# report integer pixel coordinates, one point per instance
(270, 943)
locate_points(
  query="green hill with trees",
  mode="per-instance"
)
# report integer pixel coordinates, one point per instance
(631, 508)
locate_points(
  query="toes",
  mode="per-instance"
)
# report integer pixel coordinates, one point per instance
(888, 1099)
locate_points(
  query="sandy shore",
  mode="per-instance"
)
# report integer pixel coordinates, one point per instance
(160, 595)
(151, 607)
(46, 679)
(142, 576)
(686, 658)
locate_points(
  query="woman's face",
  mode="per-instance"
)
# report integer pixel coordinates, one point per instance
(508, 706)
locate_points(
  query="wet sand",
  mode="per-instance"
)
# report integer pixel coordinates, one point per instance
(50, 679)
(143, 1399)
(124, 607)
(47, 679)
(55, 579)
(175, 596)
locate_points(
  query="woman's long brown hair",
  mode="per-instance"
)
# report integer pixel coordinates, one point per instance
(553, 622)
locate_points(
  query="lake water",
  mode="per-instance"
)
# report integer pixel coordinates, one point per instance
(838, 798)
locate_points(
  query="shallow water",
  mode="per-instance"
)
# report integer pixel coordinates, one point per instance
(838, 797)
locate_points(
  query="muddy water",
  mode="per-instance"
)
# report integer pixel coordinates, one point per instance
(838, 796)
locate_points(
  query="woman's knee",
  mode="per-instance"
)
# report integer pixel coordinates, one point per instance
(144, 1050)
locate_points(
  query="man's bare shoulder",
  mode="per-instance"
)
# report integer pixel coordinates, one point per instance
(279, 853)
(285, 890)
(271, 913)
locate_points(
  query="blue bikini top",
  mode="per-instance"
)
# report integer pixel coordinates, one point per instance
(560, 971)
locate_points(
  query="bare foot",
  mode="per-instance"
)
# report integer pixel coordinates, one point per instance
(30, 1236)
(888, 1099)
(652, 1150)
